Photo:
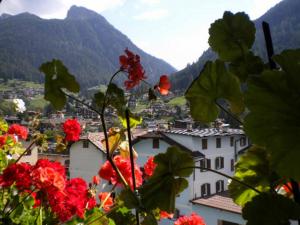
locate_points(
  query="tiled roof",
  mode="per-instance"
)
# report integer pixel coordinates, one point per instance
(206, 132)
(219, 201)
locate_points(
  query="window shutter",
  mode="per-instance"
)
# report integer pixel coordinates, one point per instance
(222, 162)
(202, 190)
(208, 189)
(217, 186)
(208, 163)
(217, 163)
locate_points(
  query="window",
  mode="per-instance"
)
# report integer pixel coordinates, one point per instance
(231, 141)
(219, 186)
(155, 143)
(204, 143)
(205, 190)
(218, 142)
(85, 143)
(219, 163)
(232, 164)
(205, 163)
(243, 141)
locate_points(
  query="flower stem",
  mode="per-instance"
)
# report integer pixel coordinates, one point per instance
(83, 103)
(25, 152)
(19, 203)
(228, 113)
(106, 93)
(224, 175)
(131, 160)
(102, 203)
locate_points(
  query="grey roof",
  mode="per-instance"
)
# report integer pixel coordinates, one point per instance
(206, 132)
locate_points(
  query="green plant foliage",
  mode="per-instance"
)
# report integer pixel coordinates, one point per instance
(232, 36)
(151, 95)
(253, 168)
(214, 82)
(271, 209)
(116, 98)
(246, 65)
(172, 166)
(134, 120)
(58, 77)
(122, 215)
(273, 122)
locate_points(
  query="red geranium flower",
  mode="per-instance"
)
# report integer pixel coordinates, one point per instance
(96, 180)
(193, 219)
(46, 174)
(108, 173)
(72, 129)
(166, 215)
(164, 85)
(149, 166)
(104, 196)
(18, 130)
(130, 63)
(18, 173)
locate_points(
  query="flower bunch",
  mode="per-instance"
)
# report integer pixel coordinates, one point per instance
(149, 167)
(72, 129)
(108, 173)
(48, 184)
(18, 130)
(130, 63)
(193, 219)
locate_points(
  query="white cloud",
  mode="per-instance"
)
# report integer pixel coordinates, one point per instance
(55, 8)
(150, 2)
(152, 15)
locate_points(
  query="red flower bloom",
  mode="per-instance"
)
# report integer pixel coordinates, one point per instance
(107, 172)
(166, 215)
(149, 166)
(18, 130)
(96, 180)
(48, 174)
(18, 173)
(72, 129)
(104, 196)
(130, 63)
(193, 219)
(71, 201)
(164, 85)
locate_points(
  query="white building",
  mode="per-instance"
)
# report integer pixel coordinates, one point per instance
(213, 148)
(86, 156)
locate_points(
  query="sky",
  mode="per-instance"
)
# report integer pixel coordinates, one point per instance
(173, 30)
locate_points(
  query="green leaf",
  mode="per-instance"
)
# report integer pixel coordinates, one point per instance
(3, 126)
(149, 219)
(134, 120)
(245, 66)
(116, 98)
(151, 95)
(253, 168)
(98, 99)
(58, 77)
(174, 162)
(122, 215)
(167, 181)
(129, 199)
(271, 209)
(97, 217)
(289, 60)
(214, 82)
(232, 36)
(274, 120)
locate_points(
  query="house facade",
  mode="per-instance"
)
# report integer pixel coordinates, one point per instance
(213, 148)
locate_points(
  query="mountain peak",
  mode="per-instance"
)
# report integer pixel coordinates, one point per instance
(81, 13)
